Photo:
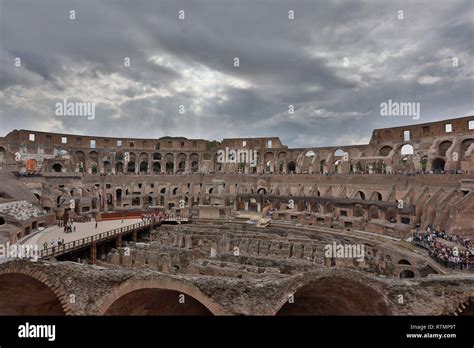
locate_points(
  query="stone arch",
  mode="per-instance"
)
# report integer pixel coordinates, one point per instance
(109, 200)
(57, 167)
(467, 307)
(358, 210)
(281, 161)
(407, 149)
(376, 196)
(335, 295)
(373, 212)
(119, 167)
(81, 160)
(93, 159)
(47, 204)
(407, 274)
(107, 167)
(143, 166)
(169, 163)
(444, 147)
(143, 160)
(291, 167)
(338, 153)
(391, 214)
(131, 167)
(31, 292)
(156, 156)
(437, 165)
(169, 167)
(194, 158)
(385, 150)
(181, 160)
(359, 195)
(118, 196)
(404, 262)
(322, 166)
(328, 207)
(465, 144)
(180, 287)
(156, 167)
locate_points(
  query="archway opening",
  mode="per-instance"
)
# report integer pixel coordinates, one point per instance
(143, 167)
(291, 167)
(23, 295)
(157, 302)
(469, 310)
(169, 167)
(438, 165)
(156, 167)
(407, 274)
(385, 151)
(404, 262)
(194, 166)
(335, 296)
(444, 147)
(119, 167)
(407, 149)
(131, 167)
(57, 168)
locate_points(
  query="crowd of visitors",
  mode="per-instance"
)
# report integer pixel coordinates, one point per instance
(151, 217)
(458, 254)
(68, 225)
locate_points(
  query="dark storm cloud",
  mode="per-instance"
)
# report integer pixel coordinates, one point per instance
(189, 63)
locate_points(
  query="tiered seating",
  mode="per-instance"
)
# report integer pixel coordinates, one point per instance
(20, 210)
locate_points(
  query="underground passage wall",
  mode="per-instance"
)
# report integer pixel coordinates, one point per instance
(23, 295)
(156, 302)
(335, 296)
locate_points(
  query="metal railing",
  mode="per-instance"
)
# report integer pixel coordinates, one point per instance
(86, 241)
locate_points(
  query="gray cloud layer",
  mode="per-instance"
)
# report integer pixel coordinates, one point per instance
(190, 62)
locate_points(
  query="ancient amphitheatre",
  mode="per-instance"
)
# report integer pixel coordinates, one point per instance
(162, 227)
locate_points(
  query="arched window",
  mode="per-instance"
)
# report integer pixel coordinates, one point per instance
(407, 149)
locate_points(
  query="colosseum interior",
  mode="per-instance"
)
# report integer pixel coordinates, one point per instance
(170, 226)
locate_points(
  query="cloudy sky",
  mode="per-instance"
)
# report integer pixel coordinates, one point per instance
(336, 62)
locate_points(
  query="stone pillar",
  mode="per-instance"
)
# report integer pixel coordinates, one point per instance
(188, 241)
(94, 253)
(165, 263)
(118, 241)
